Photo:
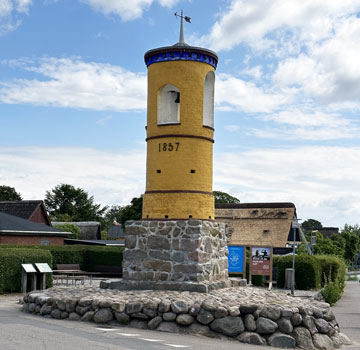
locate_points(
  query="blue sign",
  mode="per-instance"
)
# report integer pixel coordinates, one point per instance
(236, 259)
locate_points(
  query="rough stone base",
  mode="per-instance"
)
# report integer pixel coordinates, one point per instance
(193, 251)
(249, 315)
(204, 287)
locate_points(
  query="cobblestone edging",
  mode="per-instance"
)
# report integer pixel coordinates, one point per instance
(250, 315)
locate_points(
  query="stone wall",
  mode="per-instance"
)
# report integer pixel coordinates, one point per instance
(304, 325)
(177, 251)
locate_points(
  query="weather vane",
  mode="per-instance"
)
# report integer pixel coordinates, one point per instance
(186, 18)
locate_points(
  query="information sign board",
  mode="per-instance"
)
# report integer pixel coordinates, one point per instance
(43, 267)
(261, 263)
(236, 259)
(29, 268)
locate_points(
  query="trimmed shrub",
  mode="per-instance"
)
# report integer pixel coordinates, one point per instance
(68, 255)
(307, 271)
(111, 256)
(10, 266)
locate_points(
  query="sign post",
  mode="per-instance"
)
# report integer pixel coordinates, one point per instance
(261, 262)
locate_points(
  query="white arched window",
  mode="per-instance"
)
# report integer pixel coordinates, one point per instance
(168, 105)
(208, 116)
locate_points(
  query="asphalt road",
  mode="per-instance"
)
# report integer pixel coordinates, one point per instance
(347, 311)
(19, 331)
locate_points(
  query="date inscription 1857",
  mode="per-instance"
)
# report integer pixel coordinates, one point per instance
(169, 147)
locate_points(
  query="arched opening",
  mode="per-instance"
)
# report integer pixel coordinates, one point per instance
(168, 105)
(208, 112)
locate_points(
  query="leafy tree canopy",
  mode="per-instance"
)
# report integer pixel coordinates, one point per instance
(223, 197)
(66, 201)
(70, 228)
(8, 193)
(311, 225)
(121, 214)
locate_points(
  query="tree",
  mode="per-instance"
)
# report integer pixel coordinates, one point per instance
(70, 228)
(121, 214)
(67, 201)
(113, 214)
(311, 225)
(222, 197)
(8, 193)
(350, 235)
(132, 211)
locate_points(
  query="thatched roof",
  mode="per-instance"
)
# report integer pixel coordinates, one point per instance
(89, 230)
(257, 223)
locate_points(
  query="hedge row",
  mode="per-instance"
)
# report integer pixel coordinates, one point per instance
(10, 266)
(311, 272)
(11, 258)
(85, 256)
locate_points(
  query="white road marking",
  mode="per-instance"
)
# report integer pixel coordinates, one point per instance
(107, 329)
(151, 339)
(128, 334)
(177, 346)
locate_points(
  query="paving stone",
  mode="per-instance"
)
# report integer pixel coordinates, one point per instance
(282, 340)
(228, 325)
(170, 327)
(251, 338)
(103, 316)
(322, 342)
(265, 326)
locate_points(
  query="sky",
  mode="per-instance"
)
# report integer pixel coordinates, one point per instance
(287, 97)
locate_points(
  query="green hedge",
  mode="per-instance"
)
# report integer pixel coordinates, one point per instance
(84, 255)
(111, 256)
(10, 266)
(313, 272)
(307, 271)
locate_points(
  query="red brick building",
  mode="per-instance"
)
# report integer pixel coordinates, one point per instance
(16, 230)
(30, 210)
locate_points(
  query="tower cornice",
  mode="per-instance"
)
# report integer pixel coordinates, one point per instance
(181, 53)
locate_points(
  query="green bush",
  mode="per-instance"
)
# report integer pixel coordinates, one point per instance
(332, 268)
(10, 266)
(307, 271)
(111, 256)
(85, 256)
(75, 230)
(332, 290)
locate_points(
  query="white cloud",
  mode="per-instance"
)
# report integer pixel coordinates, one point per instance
(319, 180)
(126, 9)
(111, 177)
(293, 124)
(330, 70)
(236, 94)
(10, 14)
(74, 83)
(259, 23)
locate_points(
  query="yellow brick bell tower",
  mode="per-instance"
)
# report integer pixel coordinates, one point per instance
(180, 132)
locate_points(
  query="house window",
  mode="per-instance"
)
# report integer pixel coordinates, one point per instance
(208, 110)
(168, 105)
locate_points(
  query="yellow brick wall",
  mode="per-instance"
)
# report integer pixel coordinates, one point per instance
(185, 154)
(178, 206)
